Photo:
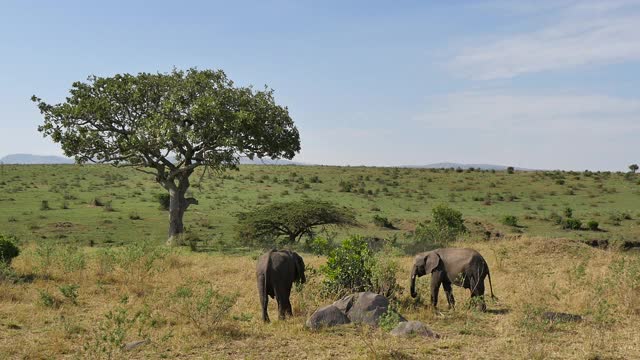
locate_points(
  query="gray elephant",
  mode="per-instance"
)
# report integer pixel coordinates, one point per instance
(277, 270)
(462, 267)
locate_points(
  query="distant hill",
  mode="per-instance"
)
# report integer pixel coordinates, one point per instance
(35, 159)
(448, 165)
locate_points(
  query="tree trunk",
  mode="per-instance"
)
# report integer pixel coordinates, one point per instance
(178, 204)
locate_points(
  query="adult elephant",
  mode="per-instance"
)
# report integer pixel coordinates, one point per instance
(276, 272)
(462, 267)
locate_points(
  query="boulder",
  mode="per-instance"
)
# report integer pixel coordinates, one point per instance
(363, 307)
(328, 315)
(134, 345)
(413, 328)
(560, 317)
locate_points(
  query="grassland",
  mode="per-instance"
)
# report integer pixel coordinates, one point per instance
(405, 196)
(90, 277)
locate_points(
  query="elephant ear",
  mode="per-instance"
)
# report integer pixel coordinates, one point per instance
(431, 262)
(299, 268)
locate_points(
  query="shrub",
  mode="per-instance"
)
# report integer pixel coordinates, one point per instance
(134, 216)
(568, 212)
(383, 273)
(382, 221)
(445, 217)
(348, 267)
(70, 292)
(389, 320)
(8, 249)
(510, 170)
(163, 200)
(555, 218)
(44, 205)
(320, 245)
(593, 225)
(572, 224)
(202, 305)
(447, 224)
(510, 220)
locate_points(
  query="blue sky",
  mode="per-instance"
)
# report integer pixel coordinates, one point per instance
(550, 85)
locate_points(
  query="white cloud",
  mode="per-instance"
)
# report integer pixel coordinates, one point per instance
(578, 34)
(544, 113)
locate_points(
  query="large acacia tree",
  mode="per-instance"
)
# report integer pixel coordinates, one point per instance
(169, 124)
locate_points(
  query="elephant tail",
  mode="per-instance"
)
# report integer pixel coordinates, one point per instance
(490, 285)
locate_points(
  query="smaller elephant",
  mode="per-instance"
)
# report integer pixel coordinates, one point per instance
(276, 272)
(462, 267)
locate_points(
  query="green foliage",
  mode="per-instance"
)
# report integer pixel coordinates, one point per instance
(568, 212)
(446, 225)
(108, 339)
(510, 220)
(44, 205)
(593, 225)
(633, 168)
(48, 300)
(389, 320)
(572, 224)
(203, 305)
(163, 200)
(384, 268)
(349, 267)
(70, 292)
(291, 220)
(320, 245)
(510, 170)
(8, 249)
(383, 222)
(445, 217)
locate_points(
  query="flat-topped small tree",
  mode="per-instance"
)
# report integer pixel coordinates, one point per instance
(169, 124)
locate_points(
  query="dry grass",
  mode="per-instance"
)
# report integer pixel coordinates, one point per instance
(530, 275)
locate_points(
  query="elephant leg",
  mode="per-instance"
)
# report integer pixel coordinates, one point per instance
(264, 298)
(282, 295)
(477, 293)
(449, 291)
(287, 299)
(436, 280)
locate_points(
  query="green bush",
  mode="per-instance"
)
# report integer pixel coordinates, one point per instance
(382, 222)
(510, 220)
(445, 217)
(593, 225)
(203, 305)
(8, 249)
(384, 268)
(572, 224)
(163, 200)
(349, 267)
(320, 245)
(389, 320)
(446, 225)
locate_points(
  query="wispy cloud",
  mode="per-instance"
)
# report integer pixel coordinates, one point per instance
(577, 34)
(533, 112)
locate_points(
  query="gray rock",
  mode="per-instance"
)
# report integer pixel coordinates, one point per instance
(560, 317)
(413, 328)
(134, 345)
(363, 307)
(326, 316)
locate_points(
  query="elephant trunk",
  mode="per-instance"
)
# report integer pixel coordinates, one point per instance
(413, 282)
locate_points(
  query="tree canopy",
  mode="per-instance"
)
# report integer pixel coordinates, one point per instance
(168, 124)
(291, 220)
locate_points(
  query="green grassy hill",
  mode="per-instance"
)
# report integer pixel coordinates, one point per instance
(62, 202)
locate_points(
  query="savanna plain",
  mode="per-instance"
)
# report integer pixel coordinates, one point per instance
(94, 275)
